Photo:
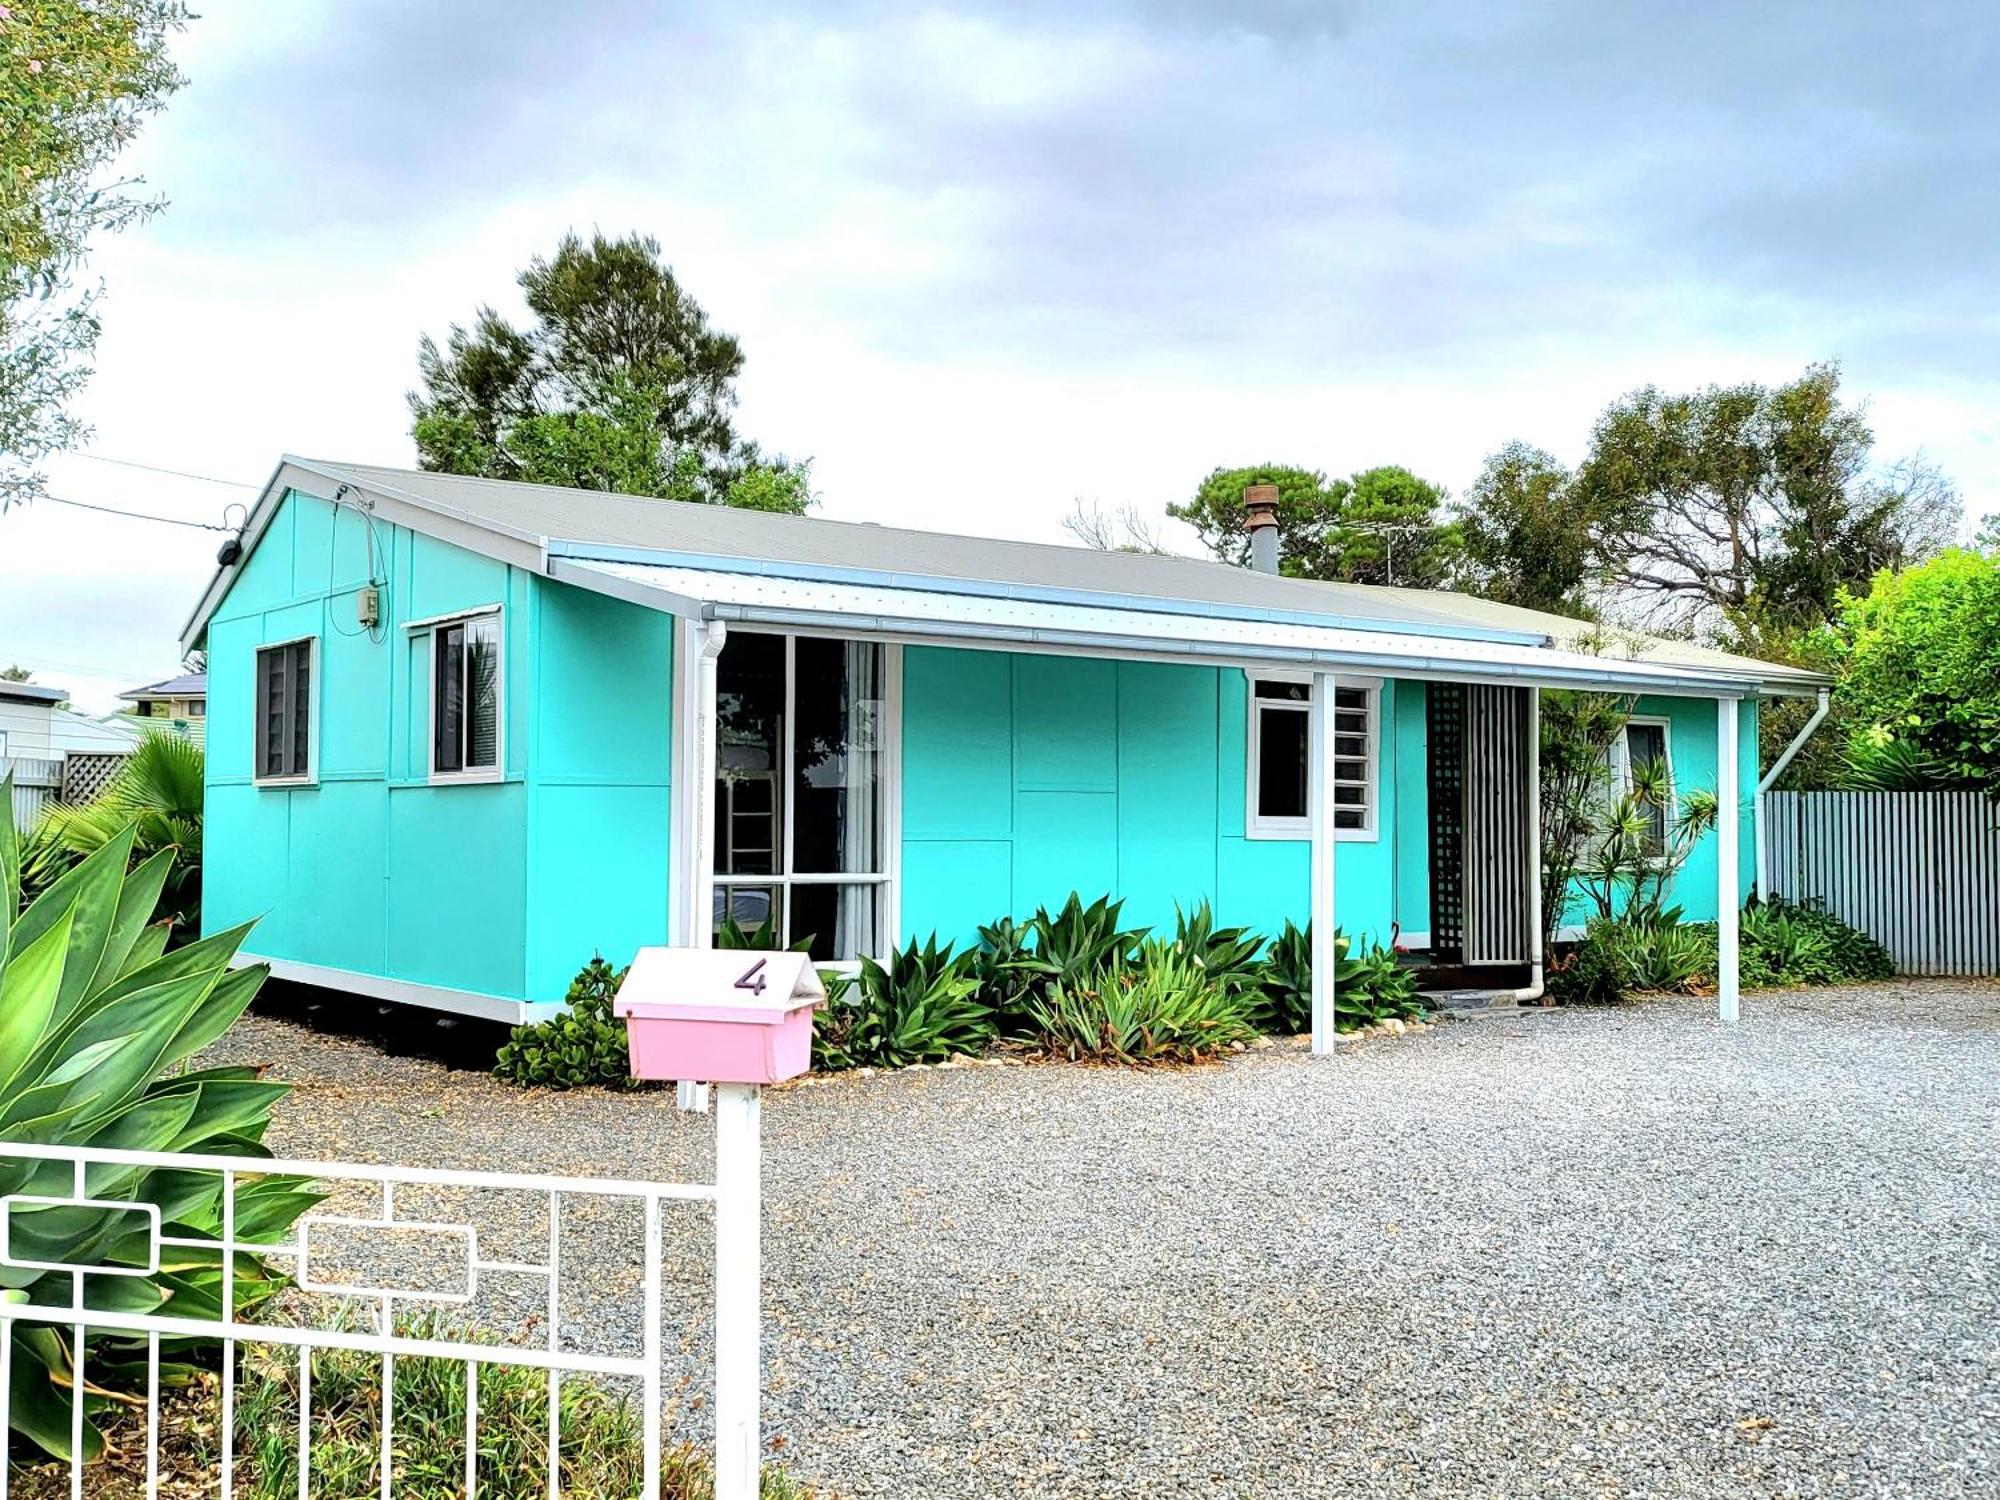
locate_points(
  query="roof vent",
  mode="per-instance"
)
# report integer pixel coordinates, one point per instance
(1260, 504)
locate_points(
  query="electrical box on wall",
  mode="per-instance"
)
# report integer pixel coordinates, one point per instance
(368, 606)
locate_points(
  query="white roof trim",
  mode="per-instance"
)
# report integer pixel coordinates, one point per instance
(906, 608)
(914, 614)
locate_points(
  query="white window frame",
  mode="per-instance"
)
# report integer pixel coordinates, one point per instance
(310, 777)
(1257, 826)
(1621, 770)
(428, 629)
(888, 906)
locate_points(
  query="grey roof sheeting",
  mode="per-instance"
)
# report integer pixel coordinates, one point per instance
(187, 685)
(592, 523)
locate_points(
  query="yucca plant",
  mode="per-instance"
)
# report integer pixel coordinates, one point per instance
(97, 1023)
(157, 795)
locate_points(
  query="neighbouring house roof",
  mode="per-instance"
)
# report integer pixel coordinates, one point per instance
(721, 563)
(187, 685)
(31, 692)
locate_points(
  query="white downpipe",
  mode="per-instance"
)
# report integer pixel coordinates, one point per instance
(699, 800)
(1729, 816)
(1769, 780)
(1537, 974)
(738, 1268)
(1319, 798)
(701, 790)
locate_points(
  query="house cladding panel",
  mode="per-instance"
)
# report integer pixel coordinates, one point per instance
(502, 888)
(1027, 776)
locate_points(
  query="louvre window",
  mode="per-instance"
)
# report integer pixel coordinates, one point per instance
(465, 697)
(284, 711)
(1645, 744)
(1280, 753)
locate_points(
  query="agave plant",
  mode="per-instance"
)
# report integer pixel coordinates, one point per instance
(1161, 1006)
(1230, 955)
(97, 1023)
(1080, 942)
(922, 1006)
(157, 795)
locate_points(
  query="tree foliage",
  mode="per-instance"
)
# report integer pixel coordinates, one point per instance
(1529, 533)
(81, 76)
(620, 383)
(1382, 525)
(1746, 509)
(1919, 656)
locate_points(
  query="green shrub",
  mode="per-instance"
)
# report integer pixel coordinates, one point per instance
(1659, 952)
(1366, 989)
(1779, 944)
(922, 1007)
(1161, 1005)
(97, 1023)
(157, 794)
(584, 1045)
(1588, 974)
(1921, 662)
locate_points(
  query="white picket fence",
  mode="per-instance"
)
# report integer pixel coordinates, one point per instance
(479, 1278)
(1917, 871)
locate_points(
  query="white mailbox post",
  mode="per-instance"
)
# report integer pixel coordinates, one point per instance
(737, 1019)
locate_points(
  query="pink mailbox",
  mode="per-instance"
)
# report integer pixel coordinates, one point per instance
(711, 1015)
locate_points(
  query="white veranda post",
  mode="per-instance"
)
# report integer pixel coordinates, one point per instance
(738, 1143)
(1319, 799)
(738, 1269)
(1728, 823)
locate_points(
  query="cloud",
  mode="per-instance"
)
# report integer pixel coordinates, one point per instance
(988, 257)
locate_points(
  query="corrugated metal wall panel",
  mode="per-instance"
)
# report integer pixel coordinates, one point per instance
(1917, 871)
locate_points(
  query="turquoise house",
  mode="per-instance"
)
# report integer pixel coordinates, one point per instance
(463, 734)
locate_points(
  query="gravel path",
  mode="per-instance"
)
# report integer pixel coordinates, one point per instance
(1591, 1253)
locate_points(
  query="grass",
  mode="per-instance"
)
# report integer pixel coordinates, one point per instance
(599, 1450)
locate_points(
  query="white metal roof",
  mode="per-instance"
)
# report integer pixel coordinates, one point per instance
(717, 562)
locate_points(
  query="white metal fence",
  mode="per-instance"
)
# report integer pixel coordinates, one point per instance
(567, 1271)
(1917, 871)
(37, 783)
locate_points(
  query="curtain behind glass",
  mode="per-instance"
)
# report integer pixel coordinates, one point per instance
(482, 693)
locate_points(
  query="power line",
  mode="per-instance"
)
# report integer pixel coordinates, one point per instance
(126, 463)
(136, 515)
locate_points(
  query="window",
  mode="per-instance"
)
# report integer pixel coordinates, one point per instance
(197, 708)
(285, 712)
(1280, 793)
(800, 796)
(1644, 748)
(465, 698)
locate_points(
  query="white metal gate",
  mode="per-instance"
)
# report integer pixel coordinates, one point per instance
(1917, 871)
(504, 1249)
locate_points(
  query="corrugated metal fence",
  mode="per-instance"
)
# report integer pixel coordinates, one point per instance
(37, 783)
(1917, 871)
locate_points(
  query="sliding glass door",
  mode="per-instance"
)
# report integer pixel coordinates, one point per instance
(800, 790)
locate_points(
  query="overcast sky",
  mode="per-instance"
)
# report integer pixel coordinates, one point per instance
(986, 260)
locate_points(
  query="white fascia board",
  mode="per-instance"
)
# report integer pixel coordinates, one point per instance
(386, 503)
(652, 595)
(914, 616)
(407, 992)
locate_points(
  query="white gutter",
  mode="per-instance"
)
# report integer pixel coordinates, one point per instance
(1770, 779)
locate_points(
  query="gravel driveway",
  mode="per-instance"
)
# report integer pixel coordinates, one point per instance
(1590, 1253)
